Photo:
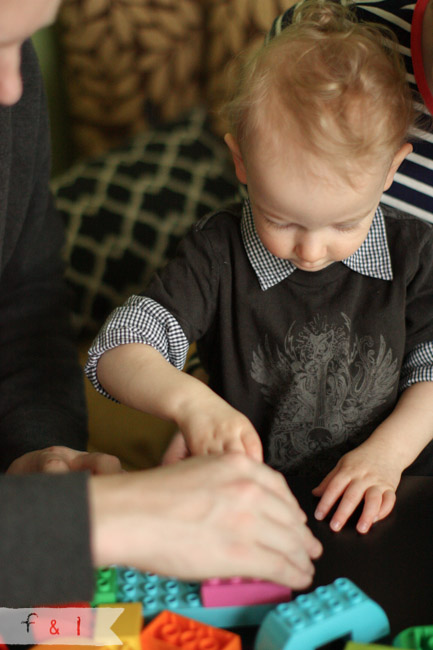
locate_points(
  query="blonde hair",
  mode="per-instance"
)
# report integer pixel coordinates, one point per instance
(337, 85)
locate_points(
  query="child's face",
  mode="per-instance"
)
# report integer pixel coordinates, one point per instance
(311, 219)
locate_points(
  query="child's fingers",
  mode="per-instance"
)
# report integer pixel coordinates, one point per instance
(372, 504)
(352, 497)
(253, 446)
(388, 503)
(176, 451)
(97, 463)
(378, 505)
(332, 492)
(235, 445)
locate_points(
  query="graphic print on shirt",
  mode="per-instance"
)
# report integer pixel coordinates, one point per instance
(322, 387)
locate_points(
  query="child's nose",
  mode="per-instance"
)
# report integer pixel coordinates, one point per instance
(310, 247)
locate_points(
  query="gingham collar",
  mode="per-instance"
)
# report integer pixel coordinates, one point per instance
(372, 258)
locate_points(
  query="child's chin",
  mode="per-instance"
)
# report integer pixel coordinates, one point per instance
(306, 266)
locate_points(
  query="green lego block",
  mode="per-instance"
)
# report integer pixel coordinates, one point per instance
(105, 586)
(415, 638)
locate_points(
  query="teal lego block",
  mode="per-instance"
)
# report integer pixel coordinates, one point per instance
(158, 593)
(105, 586)
(338, 611)
(415, 638)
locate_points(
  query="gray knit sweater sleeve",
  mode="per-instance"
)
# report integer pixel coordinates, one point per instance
(41, 385)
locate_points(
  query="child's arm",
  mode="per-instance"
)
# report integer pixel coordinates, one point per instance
(137, 375)
(372, 471)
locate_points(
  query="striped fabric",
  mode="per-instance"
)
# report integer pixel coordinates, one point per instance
(412, 189)
(139, 320)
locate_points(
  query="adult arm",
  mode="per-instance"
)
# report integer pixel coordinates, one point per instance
(44, 540)
(41, 388)
(205, 517)
(216, 516)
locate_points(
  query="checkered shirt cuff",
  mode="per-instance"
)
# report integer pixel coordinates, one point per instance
(139, 320)
(417, 366)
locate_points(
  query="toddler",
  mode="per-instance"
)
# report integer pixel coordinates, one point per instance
(311, 304)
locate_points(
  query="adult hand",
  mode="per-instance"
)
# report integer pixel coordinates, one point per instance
(214, 516)
(57, 460)
(359, 475)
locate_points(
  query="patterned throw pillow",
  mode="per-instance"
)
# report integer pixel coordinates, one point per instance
(129, 64)
(126, 210)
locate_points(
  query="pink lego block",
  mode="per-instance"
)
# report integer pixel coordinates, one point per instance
(242, 592)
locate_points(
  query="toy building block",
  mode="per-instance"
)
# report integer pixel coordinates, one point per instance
(169, 631)
(105, 586)
(415, 638)
(352, 645)
(157, 593)
(129, 625)
(339, 611)
(238, 591)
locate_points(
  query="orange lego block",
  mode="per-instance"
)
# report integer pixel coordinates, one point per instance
(170, 631)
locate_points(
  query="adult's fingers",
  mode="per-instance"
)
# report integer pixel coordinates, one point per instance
(97, 463)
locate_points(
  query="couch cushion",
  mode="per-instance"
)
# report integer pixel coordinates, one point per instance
(129, 64)
(126, 210)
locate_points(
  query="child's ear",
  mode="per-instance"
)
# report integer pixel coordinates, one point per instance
(237, 158)
(401, 154)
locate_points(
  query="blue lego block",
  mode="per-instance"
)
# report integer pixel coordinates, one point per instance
(340, 610)
(158, 593)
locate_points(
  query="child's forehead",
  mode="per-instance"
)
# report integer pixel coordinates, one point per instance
(280, 153)
(308, 189)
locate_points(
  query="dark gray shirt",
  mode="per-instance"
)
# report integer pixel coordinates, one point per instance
(315, 360)
(44, 537)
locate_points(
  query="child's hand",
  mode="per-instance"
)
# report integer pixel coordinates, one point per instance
(359, 475)
(211, 426)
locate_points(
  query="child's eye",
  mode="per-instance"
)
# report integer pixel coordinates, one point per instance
(346, 227)
(277, 226)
